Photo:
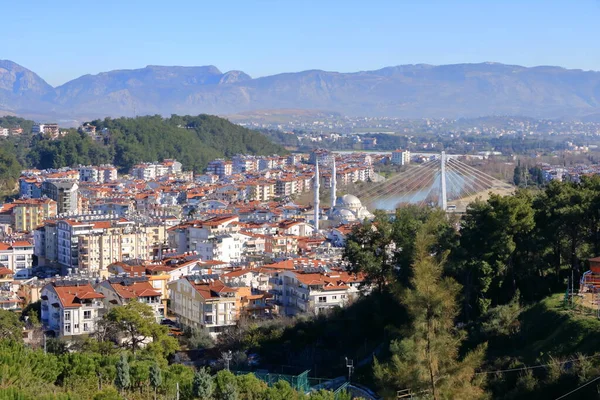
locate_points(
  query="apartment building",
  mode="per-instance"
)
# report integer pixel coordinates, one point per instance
(400, 157)
(314, 290)
(117, 241)
(70, 308)
(30, 186)
(217, 238)
(28, 214)
(150, 171)
(18, 257)
(204, 302)
(64, 192)
(243, 163)
(99, 174)
(285, 187)
(47, 129)
(220, 167)
(119, 291)
(261, 190)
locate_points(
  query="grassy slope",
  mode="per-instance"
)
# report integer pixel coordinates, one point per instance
(548, 328)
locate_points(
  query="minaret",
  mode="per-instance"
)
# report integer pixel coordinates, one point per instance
(333, 184)
(317, 196)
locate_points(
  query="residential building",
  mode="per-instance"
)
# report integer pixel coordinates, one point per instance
(117, 241)
(47, 129)
(65, 194)
(315, 290)
(217, 238)
(120, 291)
(220, 167)
(70, 308)
(17, 256)
(203, 302)
(400, 157)
(28, 214)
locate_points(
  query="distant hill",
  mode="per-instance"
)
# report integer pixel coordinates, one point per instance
(460, 90)
(192, 140)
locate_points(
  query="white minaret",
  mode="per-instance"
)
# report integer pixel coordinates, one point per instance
(317, 195)
(333, 184)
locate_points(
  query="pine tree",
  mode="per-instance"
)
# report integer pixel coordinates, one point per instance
(155, 377)
(122, 380)
(203, 384)
(426, 361)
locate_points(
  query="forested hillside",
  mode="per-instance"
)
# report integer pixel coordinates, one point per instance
(193, 140)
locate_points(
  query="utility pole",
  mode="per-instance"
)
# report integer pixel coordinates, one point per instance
(350, 366)
(45, 347)
(177, 393)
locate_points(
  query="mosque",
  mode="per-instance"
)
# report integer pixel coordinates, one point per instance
(347, 208)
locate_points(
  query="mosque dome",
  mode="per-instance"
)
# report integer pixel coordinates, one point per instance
(348, 201)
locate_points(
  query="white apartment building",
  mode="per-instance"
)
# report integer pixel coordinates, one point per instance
(313, 290)
(70, 308)
(215, 239)
(203, 302)
(100, 174)
(17, 256)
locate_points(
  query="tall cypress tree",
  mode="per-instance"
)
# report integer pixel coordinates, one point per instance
(155, 377)
(203, 385)
(123, 379)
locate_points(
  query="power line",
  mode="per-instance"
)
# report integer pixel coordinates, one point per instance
(537, 366)
(576, 389)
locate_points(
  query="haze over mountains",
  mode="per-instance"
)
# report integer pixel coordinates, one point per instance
(411, 91)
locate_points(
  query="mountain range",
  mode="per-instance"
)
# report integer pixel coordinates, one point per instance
(410, 91)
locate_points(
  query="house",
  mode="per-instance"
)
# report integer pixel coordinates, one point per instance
(119, 291)
(70, 308)
(204, 302)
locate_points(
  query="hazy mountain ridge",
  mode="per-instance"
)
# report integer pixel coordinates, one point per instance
(421, 90)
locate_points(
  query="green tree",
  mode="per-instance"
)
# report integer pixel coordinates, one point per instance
(427, 359)
(155, 377)
(108, 394)
(203, 385)
(490, 235)
(10, 326)
(370, 249)
(137, 322)
(229, 392)
(250, 387)
(224, 383)
(122, 379)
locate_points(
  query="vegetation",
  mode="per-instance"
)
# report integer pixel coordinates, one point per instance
(101, 369)
(194, 141)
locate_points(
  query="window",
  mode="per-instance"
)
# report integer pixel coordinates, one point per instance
(87, 314)
(68, 328)
(3, 258)
(76, 327)
(208, 319)
(343, 296)
(67, 315)
(86, 328)
(322, 299)
(333, 297)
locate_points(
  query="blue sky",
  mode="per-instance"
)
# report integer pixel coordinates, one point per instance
(61, 40)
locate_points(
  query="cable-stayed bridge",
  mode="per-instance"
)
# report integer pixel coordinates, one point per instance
(443, 181)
